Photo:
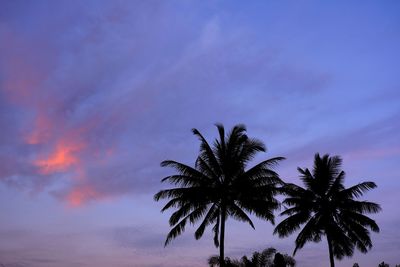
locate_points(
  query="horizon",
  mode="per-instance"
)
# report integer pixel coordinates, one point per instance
(95, 94)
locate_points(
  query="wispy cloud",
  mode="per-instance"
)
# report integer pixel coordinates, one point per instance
(99, 104)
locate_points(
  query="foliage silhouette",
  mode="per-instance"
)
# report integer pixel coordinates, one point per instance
(328, 209)
(267, 258)
(219, 186)
(279, 260)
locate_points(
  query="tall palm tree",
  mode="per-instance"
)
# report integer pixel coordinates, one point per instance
(329, 209)
(219, 186)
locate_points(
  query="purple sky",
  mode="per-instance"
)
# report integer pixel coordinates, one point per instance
(95, 94)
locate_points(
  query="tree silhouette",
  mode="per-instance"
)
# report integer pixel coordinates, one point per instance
(329, 209)
(279, 260)
(267, 258)
(219, 186)
(356, 265)
(383, 264)
(214, 261)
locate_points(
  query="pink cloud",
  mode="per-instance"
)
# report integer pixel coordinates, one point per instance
(80, 195)
(61, 159)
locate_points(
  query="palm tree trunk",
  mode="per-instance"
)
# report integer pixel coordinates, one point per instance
(331, 258)
(222, 238)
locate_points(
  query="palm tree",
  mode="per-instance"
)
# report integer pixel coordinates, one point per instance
(329, 209)
(219, 186)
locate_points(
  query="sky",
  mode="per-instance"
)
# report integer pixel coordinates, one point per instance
(95, 94)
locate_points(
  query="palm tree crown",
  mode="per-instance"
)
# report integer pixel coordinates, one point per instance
(219, 186)
(329, 209)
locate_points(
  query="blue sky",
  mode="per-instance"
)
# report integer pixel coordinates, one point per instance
(95, 94)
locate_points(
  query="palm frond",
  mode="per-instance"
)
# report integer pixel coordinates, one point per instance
(360, 206)
(208, 219)
(215, 229)
(239, 214)
(207, 152)
(310, 232)
(175, 231)
(291, 224)
(358, 190)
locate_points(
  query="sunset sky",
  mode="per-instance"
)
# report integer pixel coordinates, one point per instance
(95, 94)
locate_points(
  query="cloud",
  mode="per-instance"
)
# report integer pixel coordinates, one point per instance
(97, 99)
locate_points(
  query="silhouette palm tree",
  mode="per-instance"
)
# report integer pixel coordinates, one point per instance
(328, 209)
(218, 186)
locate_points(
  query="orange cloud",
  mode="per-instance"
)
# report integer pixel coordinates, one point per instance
(81, 195)
(61, 159)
